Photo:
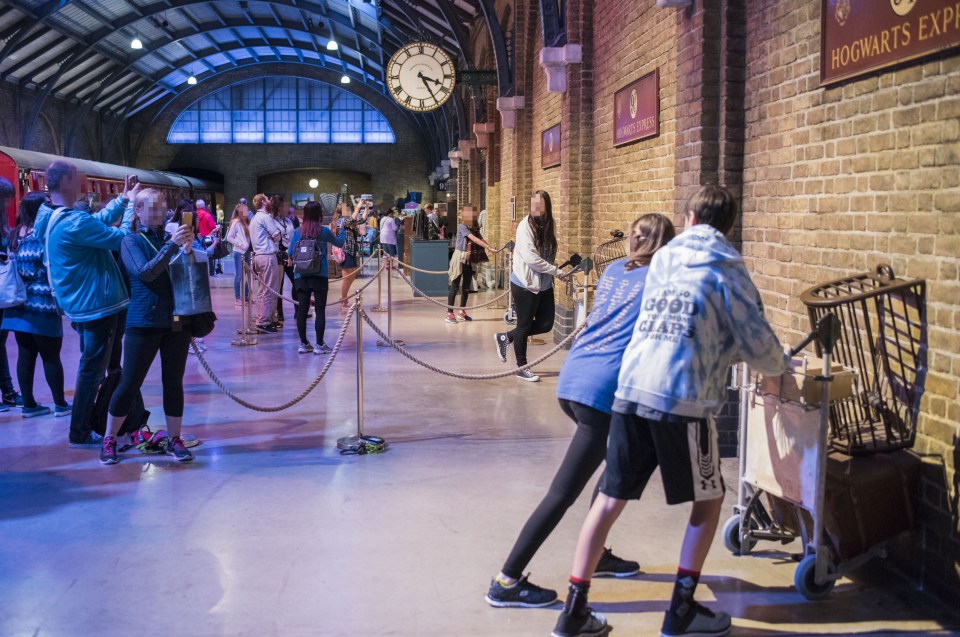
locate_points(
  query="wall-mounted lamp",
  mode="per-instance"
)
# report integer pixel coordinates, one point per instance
(313, 183)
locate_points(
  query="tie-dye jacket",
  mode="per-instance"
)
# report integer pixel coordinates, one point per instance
(701, 313)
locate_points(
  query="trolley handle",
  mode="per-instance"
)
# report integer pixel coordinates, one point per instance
(827, 333)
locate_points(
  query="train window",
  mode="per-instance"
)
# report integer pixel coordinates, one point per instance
(281, 110)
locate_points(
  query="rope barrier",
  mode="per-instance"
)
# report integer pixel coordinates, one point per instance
(337, 302)
(419, 269)
(290, 403)
(461, 375)
(444, 305)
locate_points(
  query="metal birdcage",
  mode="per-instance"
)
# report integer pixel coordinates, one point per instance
(609, 251)
(884, 340)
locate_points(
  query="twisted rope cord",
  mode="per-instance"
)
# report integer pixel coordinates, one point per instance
(290, 403)
(444, 305)
(461, 375)
(338, 302)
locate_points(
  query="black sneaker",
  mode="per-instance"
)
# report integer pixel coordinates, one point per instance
(266, 329)
(590, 624)
(108, 452)
(523, 594)
(698, 621)
(13, 399)
(502, 343)
(612, 566)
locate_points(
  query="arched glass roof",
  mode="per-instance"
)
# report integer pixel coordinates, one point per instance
(281, 110)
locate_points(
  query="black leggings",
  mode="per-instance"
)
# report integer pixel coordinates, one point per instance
(47, 348)
(140, 347)
(305, 286)
(463, 282)
(535, 312)
(284, 269)
(586, 452)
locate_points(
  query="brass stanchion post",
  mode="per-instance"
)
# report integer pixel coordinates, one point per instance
(244, 331)
(381, 343)
(379, 306)
(360, 443)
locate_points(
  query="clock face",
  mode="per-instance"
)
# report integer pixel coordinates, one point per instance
(421, 76)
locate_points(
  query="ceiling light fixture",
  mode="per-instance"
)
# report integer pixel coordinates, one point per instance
(191, 80)
(332, 45)
(135, 43)
(344, 79)
(313, 183)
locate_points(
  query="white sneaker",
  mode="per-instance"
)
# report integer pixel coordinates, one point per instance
(305, 348)
(321, 349)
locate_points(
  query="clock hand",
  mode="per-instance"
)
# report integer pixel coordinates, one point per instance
(424, 79)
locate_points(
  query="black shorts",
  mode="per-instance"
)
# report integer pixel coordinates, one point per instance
(686, 453)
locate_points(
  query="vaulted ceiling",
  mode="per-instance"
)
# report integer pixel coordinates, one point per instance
(80, 50)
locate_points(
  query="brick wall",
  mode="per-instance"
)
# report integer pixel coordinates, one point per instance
(839, 179)
(393, 168)
(833, 180)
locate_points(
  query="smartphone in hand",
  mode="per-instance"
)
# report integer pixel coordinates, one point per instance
(186, 219)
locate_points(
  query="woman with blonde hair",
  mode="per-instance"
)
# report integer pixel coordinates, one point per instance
(585, 389)
(238, 236)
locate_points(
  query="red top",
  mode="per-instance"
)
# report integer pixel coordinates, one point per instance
(205, 222)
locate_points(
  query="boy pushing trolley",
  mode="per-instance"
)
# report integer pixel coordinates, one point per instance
(701, 313)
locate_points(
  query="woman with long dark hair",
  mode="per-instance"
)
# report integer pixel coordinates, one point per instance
(308, 261)
(585, 390)
(36, 324)
(531, 282)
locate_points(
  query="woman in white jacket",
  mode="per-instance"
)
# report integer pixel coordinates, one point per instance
(531, 282)
(238, 236)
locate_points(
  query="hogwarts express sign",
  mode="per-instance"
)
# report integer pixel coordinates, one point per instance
(860, 36)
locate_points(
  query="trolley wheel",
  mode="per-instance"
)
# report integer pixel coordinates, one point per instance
(510, 318)
(731, 535)
(805, 582)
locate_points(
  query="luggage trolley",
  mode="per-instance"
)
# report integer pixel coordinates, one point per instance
(857, 413)
(580, 288)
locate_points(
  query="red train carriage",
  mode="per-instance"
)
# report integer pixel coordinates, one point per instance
(25, 170)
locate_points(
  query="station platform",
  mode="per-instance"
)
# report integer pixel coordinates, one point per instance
(270, 531)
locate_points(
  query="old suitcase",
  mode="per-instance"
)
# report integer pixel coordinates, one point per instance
(869, 499)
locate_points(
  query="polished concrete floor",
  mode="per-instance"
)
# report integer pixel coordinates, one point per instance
(272, 532)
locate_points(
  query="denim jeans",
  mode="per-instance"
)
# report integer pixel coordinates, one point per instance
(238, 259)
(96, 345)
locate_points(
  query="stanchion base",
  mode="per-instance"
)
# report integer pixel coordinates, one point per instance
(244, 342)
(536, 341)
(361, 445)
(377, 308)
(386, 344)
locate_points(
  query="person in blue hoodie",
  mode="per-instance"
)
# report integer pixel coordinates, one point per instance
(86, 280)
(585, 390)
(700, 314)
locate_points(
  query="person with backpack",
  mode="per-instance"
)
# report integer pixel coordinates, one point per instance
(85, 279)
(36, 325)
(308, 259)
(145, 256)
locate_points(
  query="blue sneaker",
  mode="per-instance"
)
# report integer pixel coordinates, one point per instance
(36, 410)
(59, 411)
(93, 440)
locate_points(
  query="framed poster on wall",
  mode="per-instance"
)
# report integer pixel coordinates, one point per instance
(636, 110)
(550, 147)
(860, 36)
